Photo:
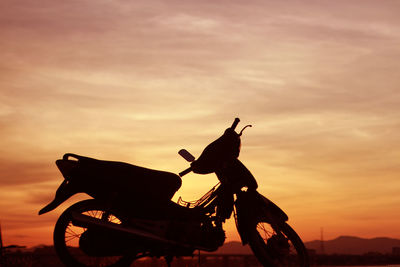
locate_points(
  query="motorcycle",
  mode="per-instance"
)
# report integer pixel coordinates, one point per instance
(131, 214)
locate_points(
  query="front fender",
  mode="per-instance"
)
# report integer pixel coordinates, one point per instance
(251, 207)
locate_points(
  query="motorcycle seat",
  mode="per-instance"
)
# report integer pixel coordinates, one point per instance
(122, 177)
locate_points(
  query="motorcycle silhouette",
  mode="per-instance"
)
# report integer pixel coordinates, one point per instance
(132, 215)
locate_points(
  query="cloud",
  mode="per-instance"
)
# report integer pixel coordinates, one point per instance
(135, 81)
(189, 23)
(15, 172)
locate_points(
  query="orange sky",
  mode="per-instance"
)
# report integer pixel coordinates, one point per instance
(136, 81)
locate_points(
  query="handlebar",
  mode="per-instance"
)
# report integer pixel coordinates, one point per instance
(235, 123)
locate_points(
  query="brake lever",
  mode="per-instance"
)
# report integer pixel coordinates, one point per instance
(240, 134)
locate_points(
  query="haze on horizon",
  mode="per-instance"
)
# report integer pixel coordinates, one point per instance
(137, 81)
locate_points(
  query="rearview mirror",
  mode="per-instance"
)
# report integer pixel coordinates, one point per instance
(186, 155)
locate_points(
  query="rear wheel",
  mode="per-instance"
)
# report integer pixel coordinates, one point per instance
(277, 246)
(68, 237)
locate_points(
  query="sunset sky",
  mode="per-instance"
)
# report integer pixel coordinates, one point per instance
(136, 81)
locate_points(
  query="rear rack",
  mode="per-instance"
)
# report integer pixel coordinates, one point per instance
(200, 202)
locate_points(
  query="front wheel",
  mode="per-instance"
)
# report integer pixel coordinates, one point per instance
(277, 246)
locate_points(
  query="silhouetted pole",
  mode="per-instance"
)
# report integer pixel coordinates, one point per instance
(1, 244)
(322, 241)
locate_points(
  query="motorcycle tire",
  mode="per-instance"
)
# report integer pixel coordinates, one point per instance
(277, 246)
(66, 237)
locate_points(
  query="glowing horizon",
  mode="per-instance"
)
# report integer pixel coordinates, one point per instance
(136, 82)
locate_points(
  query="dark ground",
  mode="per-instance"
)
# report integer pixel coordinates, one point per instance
(46, 257)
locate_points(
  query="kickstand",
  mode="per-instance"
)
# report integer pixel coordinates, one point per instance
(169, 259)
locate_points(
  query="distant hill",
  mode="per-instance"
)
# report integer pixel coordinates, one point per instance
(355, 245)
(342, 245)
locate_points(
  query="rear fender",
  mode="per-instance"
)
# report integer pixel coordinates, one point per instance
(252, 207)
(64, 192)
(66, 189)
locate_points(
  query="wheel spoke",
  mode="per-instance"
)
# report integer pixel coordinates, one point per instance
(70, 238)
(264, 232)
(72, 232)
